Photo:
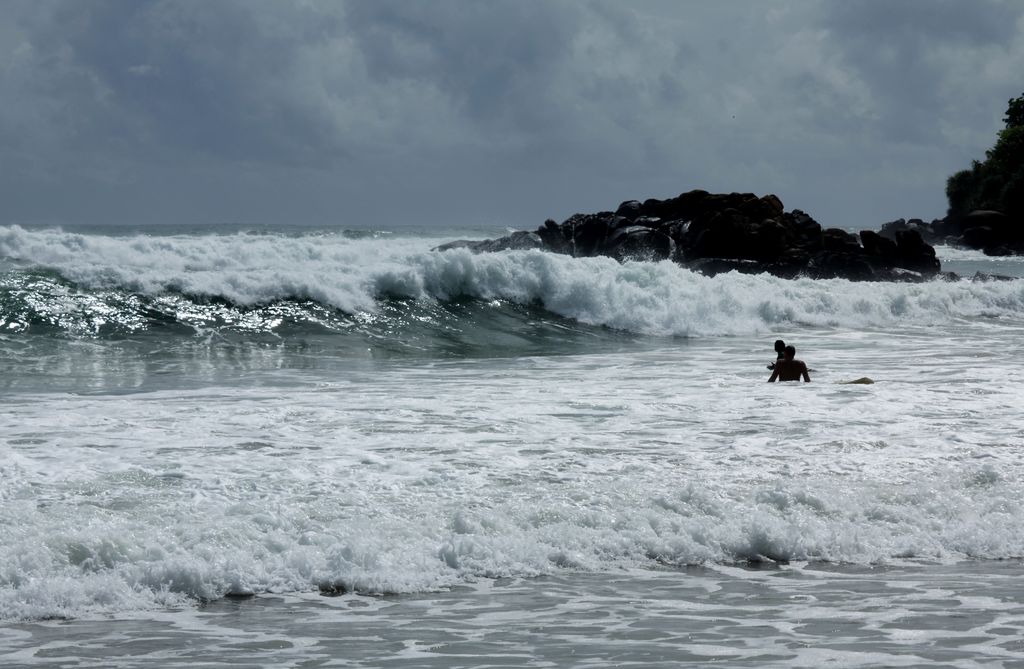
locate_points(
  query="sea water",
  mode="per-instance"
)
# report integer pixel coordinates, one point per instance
(293, 447)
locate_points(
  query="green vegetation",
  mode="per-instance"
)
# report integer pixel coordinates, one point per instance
(997, 182)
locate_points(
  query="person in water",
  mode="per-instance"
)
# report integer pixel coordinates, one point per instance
(789, 368)
(780, 352)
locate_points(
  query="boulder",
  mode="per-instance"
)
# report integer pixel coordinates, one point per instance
(719, 232)
(840, 264)
(836, 240)
(992, 232)
(915, 254)
(521, 240)
(587, 233)
(630, 209)
(554, 237)
(983, 217)
(714, 266)
(877, 246)
(639, 243)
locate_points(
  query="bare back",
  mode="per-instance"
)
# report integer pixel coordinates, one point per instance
(790, 370)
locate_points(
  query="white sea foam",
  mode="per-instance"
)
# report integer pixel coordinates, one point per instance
(354, 274)
(420, 477)
(957, 254)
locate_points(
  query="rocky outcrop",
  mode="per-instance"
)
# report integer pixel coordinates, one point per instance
(991, 232)
(716, 232)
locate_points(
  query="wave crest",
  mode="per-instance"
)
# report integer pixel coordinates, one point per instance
(353, 276)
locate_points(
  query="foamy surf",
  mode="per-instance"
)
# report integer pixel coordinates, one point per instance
(222, 448)
(418, 479)
(266, 281)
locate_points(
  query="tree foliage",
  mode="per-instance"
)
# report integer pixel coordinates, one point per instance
(997, 182)
(1015, 113)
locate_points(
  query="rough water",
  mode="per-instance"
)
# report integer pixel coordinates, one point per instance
(335, 448)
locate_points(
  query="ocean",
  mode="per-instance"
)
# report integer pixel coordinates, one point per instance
(292, 447)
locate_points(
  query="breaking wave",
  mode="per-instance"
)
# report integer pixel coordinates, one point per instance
(97, 284)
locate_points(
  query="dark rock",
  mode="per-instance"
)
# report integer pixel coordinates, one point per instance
(878, 246)
(649, 222)
(630, 209)
(587, 232)
(805, 228)
(521, 240)
(984, 277)
(713, 266)
(720, 236)
(757, 209)
(914, 253)
(977, 237)
(334, 588)
(768, 239)
(939, 230)
(992, 232)
(554, 237)
(839, 241)
(982, 217)
(773, 202)
(889, 230)
(721, 232)
(686, 207)
(639, 243)
(457, 244)
(836, 264)
(906, 275)
(619, 222)
(1001, 250)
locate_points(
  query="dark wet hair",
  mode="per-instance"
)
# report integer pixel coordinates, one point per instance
(791, 350)
(779, 345)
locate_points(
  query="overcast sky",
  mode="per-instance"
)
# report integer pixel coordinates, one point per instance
(504, 113)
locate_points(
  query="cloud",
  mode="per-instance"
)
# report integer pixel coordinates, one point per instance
(922, 58)
(506, 111)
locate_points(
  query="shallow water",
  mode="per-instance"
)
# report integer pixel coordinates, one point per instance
(797, 615)
(506, 460)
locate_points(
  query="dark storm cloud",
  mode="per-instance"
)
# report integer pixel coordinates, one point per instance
(904, 50)
(179, 76)
(500, 111)
(488, 58)
(916, 22)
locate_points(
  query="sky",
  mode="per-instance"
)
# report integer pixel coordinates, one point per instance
(492, 113)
